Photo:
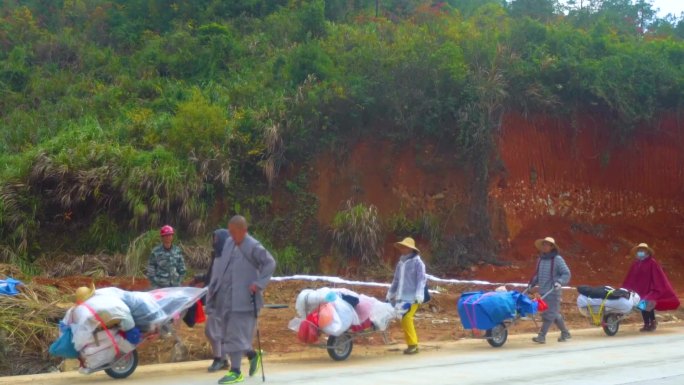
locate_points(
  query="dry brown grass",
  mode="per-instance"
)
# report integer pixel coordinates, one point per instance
(9, 271)
(28, 325)
(275, 151)
(197, 257)
(90, 265)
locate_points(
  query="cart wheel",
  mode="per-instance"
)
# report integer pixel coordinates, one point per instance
(497, 336)
(339, 348)
(124, 367)
(611, 324)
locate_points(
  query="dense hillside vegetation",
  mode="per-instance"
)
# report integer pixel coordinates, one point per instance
(117, 116)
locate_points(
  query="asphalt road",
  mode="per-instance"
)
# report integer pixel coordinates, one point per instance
(590, 358)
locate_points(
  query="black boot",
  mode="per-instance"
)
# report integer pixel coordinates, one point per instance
(217, 365)
(564, 336)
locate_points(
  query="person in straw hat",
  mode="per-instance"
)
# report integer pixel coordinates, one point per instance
(408, 289)
(551, 275)
(648, 279)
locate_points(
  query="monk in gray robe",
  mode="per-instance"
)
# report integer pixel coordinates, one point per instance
(238, 279)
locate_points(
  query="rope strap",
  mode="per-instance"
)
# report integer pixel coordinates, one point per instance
(104, 327)
(597, 317)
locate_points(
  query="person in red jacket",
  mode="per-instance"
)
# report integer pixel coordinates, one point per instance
(648, 279)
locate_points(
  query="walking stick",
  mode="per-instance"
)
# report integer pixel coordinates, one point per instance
(256, 315)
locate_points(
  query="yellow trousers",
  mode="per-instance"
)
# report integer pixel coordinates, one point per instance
(408, 327)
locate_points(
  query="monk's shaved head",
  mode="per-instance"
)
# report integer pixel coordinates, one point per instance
(237, 227)
(239, 222)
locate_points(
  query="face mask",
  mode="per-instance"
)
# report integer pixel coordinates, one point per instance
(641, 254)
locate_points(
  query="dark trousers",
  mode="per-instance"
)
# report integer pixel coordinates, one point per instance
(553, 315)
(649, 317)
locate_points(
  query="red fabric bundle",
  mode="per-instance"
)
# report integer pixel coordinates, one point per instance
(200, 316)
(308, 329)
(541, 305)
(364, 325)
(308, 333)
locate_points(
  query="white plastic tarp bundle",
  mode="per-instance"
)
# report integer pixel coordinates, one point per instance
(308, 300)
(175, 300)
(111, 307)
(345, 315)
(145, 311)
(83, 319)
(102, 351)
(622, 305)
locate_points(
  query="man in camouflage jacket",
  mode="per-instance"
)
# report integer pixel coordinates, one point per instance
(166, 266)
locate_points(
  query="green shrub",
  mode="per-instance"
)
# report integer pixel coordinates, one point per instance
(357, 232)
(198, 127)
(290, 261)
(427, 226)
(311, 18)
(139, 252)
(309, 59)
(14, 79)
(400, 225)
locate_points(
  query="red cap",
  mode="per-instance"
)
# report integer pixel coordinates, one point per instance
(166, 230)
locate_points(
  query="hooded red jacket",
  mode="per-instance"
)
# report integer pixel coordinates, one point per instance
(648, 279)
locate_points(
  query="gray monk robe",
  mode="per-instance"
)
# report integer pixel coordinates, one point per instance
(229, 297)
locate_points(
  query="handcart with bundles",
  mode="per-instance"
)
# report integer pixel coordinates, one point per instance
(342, 315)
(605, 306)
(495, 311)
(106, 327)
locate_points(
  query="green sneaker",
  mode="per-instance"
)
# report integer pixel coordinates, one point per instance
(255, 363)
(232, 378)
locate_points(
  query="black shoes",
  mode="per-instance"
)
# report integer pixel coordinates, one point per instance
(217, 365)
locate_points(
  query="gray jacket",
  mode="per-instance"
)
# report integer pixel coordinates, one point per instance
(234, 272)
(551, 269)
(409, 280)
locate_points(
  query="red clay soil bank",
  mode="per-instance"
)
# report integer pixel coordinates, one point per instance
(596, 196)
(392, 177)
(571, 180)
(412, 179)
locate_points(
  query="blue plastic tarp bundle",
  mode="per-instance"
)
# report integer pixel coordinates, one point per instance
(484, 310)
(9, 286)
(524, 304)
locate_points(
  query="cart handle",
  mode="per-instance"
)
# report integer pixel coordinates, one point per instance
(543, 296)
(548, 292)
